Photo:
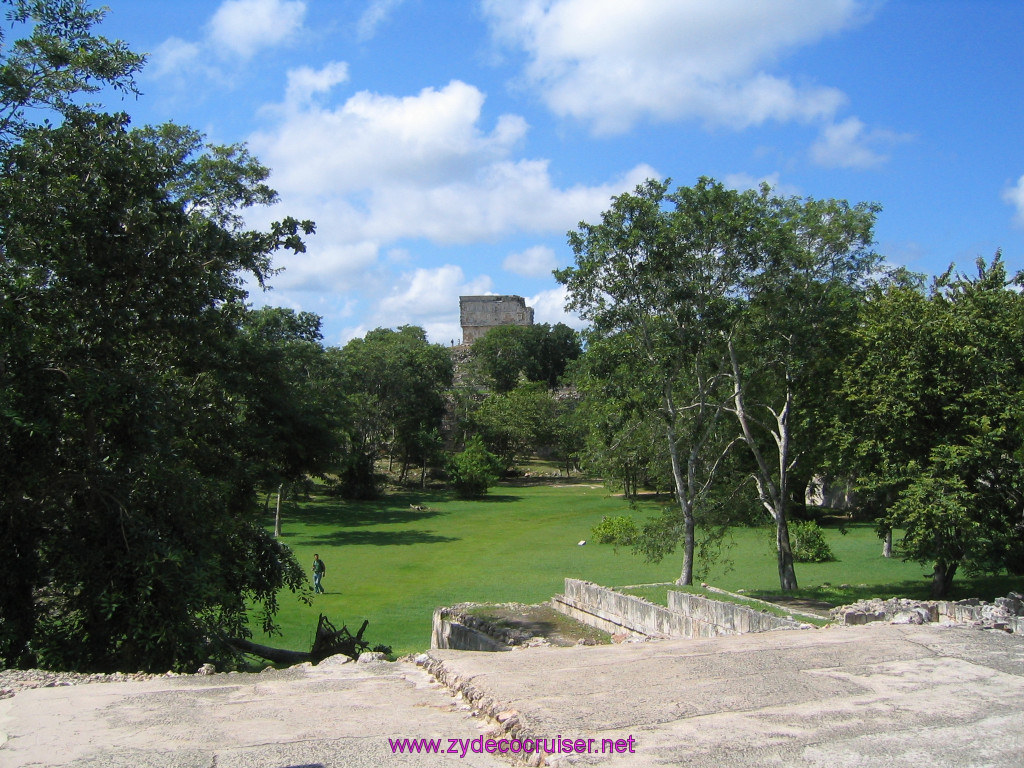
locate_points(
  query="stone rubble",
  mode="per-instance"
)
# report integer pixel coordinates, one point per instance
(13, 681)
(1005, 613)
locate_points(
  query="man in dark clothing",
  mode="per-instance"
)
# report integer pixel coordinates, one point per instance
(319, 569)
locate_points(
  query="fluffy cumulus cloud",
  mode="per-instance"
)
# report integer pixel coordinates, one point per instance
(612, 64)
(1014, 195)
(380, 168)
(538, 261)
(244, 27)
(850, 144)
(238, 30)
(429, 298)
(549, 307)
(383, 173)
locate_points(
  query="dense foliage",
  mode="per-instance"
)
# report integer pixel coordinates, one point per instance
(395, 383)
(128, 407)
(474, 469)
(130, 413)
(931, 415)
(809, 545)
(720, 312)
(509, 354)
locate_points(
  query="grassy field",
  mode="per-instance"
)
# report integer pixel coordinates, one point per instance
(393, 564)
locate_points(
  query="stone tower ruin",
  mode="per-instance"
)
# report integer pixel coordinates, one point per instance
(481, 313)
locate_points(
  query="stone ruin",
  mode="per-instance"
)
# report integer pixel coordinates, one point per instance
(1005, 613)
(478, 314)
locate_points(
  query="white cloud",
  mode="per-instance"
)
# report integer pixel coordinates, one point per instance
(330, 266)
(849, 144)
(238, 29)
(243, 27)
(612, 64)
(538, 261)
(1015, 196)
(174, 56)
(373, 138)
(429, 298)
(305, 82)
(376, 13)
(549, 307)
(381, 172)
(744, 181)
(384, 168)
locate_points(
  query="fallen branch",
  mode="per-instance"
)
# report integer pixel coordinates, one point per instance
(328, 642)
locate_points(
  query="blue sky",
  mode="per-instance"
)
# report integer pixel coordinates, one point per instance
(445, 147)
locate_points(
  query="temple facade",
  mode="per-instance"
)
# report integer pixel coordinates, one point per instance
(478, 314)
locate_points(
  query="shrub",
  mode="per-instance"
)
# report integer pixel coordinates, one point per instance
(619, 530)
(808, 542)
(474, 470)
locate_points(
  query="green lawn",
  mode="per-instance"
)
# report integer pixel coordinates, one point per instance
(393, 565)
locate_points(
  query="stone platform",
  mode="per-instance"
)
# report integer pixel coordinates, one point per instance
(876, 695)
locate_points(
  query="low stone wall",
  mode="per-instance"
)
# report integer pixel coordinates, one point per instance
(451, 628)
(724, 618)
(617, 613)
(686, 615)
(1006, 613)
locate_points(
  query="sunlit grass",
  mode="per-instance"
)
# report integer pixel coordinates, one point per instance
(393, 564)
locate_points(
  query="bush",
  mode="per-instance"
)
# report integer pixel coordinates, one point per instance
(808, 542)
(474, 470)
(620, 530)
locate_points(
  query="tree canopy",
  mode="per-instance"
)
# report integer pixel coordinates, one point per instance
(128, 529)
(931, 413)
(725, 301)
(507, 354)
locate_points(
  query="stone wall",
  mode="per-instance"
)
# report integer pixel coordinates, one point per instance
(687, 615)
(460, 631)
(1005, 613)
(478, 314)
(724, 618)
(617, 613)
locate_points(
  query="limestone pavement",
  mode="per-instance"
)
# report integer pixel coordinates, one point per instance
(876, 695)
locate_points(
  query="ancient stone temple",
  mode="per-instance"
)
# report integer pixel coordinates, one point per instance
(481, 313)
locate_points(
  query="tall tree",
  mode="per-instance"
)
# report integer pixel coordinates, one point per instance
(128, 528)
(648, 277)
(728, 299)
(802, 281)
(396, 381)
(60, 59)
(932, 403)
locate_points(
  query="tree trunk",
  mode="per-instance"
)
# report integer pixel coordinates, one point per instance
(787, 572)
(685, 501)
(942, 579)
(276, 655)
(773, 491)
(277, 514)
(887, 546)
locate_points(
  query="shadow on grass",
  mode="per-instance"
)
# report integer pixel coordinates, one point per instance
(397, 509)
(380, 538)
(495, 498)
(400, 508)
(984, 587)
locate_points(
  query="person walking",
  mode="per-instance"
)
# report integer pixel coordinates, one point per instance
(319, 569)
